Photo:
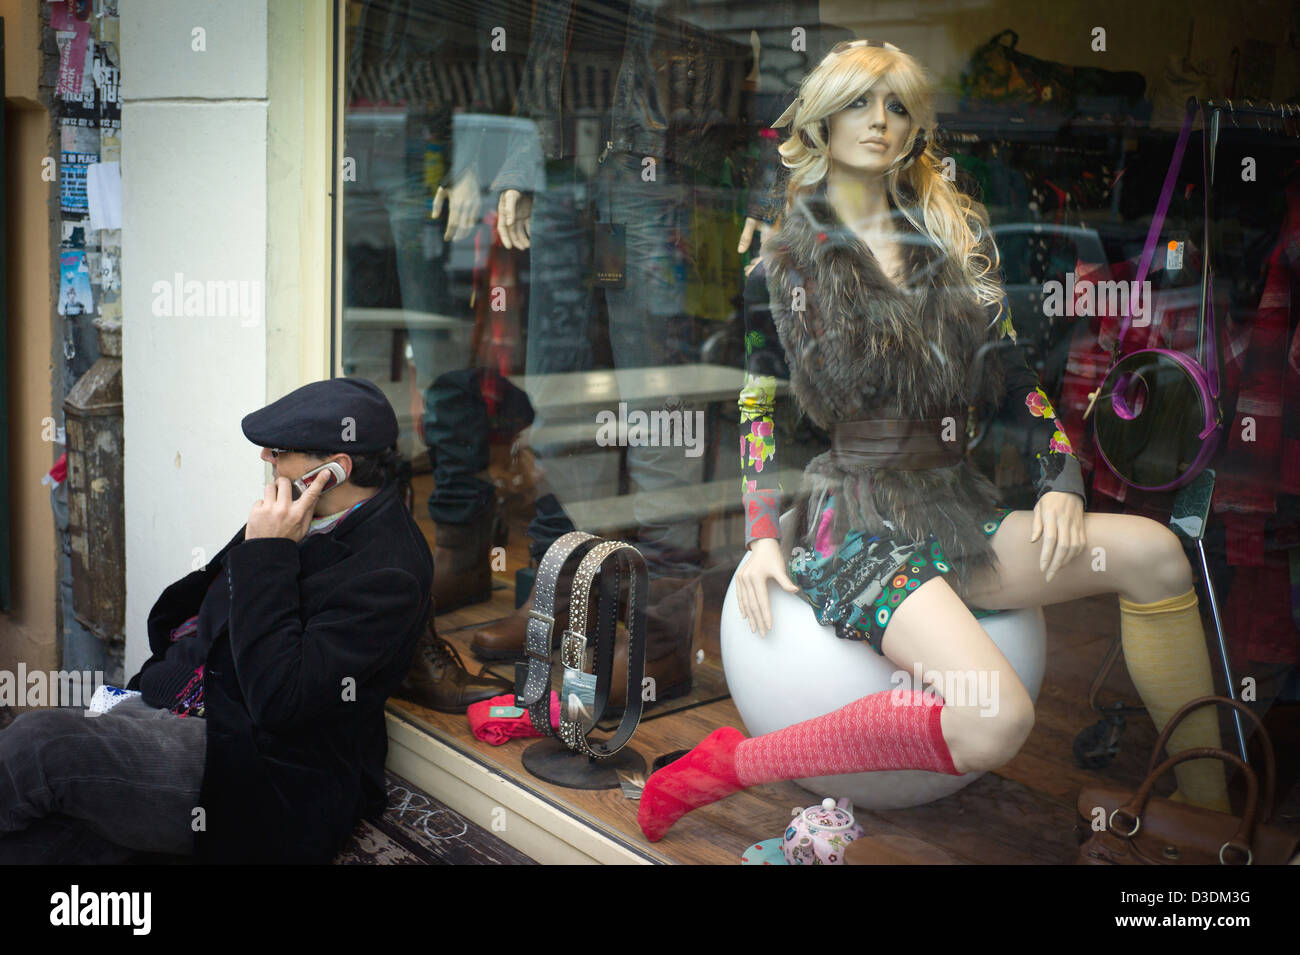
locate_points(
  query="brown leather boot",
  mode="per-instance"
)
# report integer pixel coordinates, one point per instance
(462, 567)
(504, 640)
(438, 678)
(671, 619)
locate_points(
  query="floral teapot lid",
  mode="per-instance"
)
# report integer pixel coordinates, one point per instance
(828, 817)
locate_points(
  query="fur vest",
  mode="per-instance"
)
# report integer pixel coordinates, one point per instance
(862, 347)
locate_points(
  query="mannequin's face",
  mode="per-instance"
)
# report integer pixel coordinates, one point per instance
(856, 131)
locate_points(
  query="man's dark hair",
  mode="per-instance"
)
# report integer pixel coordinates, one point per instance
(373, 469)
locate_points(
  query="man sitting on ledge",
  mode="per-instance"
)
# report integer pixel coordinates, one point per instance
(259, 735)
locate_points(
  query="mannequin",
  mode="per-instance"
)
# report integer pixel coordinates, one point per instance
(886, 303)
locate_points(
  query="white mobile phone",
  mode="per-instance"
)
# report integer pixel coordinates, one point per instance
(335, 477)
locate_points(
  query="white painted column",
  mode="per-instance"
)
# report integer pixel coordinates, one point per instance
(194, 207)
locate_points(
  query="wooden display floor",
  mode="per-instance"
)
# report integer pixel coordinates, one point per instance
(1023, 813)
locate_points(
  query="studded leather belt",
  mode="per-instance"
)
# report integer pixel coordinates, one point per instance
(901, 444)
(574, 646)
(536, 691)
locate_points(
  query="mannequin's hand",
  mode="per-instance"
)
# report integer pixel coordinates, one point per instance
(462, 214)
(514, 218)
(765, 563)
(1058, 519)
(747, 236)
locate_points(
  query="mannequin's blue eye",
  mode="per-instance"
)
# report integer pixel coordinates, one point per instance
(895, 106)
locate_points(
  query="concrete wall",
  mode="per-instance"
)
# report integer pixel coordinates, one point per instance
(28, 632)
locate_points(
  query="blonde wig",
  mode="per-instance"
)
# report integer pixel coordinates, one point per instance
(915, 184)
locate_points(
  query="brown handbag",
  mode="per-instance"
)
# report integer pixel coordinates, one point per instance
(1144, 829)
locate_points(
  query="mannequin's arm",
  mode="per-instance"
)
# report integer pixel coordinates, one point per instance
(1027, 410)
(764, 363)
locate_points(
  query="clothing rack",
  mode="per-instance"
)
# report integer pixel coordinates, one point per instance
(1212, 117)
(1288, 113)
(947, 138)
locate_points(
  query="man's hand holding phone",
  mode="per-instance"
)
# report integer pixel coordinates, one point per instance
(277, 514)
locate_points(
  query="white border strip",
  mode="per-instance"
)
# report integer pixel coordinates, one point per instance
(532, 825)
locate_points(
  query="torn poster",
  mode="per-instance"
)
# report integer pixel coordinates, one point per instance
(73, 37)
(108, 82)
(74, 284)
(80, 147)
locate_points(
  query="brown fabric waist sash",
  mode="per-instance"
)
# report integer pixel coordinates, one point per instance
(901, 444)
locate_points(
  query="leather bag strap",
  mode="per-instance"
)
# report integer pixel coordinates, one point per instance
(1136, 806)
(1266, 744)
(1158, 220)
(1207, 347)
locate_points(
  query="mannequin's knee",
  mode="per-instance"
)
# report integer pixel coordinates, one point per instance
(990, 737)
(1158, 567)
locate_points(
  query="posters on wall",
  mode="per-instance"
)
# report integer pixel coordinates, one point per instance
(90, 122)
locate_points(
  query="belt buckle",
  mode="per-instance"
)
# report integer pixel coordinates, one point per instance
(573, 650)
(544, 655)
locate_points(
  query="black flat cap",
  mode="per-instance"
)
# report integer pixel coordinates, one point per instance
(349, 415)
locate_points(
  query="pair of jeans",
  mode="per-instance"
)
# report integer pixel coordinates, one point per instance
(73, 787)
(458, 429)
(646, 317)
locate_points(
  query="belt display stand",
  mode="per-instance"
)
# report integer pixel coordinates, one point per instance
(572, 760)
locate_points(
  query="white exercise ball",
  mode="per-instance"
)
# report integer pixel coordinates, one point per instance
(800, 669)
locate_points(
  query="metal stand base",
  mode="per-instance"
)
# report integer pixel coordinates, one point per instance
(553, 762)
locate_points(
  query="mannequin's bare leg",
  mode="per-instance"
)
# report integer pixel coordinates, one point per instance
(1164, 643)
(934, 629)
(1132, 556)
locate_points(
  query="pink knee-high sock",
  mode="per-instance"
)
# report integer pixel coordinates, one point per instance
(893, 729)
(887, 730)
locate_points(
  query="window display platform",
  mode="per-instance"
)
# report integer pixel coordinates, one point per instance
(1024, 813)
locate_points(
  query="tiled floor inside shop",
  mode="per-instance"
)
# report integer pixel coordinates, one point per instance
(1023, 813)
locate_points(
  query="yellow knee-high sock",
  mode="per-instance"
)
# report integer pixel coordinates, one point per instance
(1164, 647)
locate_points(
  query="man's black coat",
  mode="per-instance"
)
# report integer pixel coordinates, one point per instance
(319, 635)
